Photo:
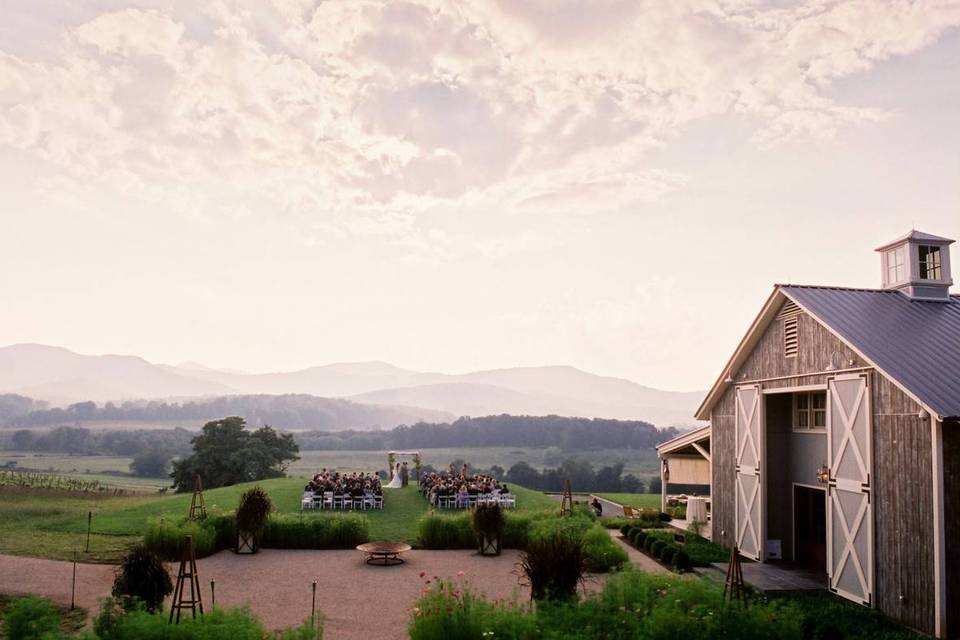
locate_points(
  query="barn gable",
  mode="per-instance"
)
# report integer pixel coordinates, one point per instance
(795, 350)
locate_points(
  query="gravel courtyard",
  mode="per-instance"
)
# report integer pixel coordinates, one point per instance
(358, 601)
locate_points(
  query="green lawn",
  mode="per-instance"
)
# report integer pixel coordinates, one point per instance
(53, 526)
(635, 500)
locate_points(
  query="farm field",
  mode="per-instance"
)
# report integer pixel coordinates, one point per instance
(642, 463)
(55, 525)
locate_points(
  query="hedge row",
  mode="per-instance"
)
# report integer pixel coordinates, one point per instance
(218, 532)
(442, 531)
(665, 550)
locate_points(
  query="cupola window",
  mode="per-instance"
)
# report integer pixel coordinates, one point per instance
(897, 264)
(930, 267)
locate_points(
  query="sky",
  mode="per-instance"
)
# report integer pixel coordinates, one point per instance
(450, 186)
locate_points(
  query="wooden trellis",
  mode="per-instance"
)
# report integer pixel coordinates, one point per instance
(566, 504)
(198, 509)
(733, 588)
(187, 572)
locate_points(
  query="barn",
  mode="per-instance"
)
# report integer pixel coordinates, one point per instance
(835, 437)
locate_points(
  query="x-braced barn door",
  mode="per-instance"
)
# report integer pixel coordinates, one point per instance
(849, 510)
(749, 487)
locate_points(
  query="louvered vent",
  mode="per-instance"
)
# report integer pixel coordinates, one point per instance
(791, 339)
(789, 309)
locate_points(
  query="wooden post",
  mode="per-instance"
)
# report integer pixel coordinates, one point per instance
(73, 584)
(213, 594)
(733, 584)
(313, 606)
(566, 504)
(188, 570)
(664, 479)
(89, 524)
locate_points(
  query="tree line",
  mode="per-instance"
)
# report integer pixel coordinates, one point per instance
(504, 430)
(582, 476)
(288, 411)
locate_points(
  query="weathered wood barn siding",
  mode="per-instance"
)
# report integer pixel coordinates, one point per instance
(951, 491)
(816, 345)
(902, 483)
(902, 507)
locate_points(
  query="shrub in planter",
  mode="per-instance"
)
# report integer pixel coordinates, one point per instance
(436, 531)
(664, 517)
(255, 507)
(682, 561)
(648, 544)
(553, 565)
(141, 578)
(489, 523)
(639, 537)
(625, 529)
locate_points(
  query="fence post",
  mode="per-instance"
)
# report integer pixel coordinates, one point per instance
(313, 606)
(73, 584)
(89, 522)
(213, 594)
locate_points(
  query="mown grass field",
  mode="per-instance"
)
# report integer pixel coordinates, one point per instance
(635, 500)
(54, 526)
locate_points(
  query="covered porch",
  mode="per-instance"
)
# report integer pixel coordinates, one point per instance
(685, 476)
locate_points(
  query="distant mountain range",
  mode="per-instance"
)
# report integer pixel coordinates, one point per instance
(60, 376)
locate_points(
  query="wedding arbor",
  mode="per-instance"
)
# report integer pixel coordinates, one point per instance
(392, 461)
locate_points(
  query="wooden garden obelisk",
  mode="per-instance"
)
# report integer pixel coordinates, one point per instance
(187, 572)
(198, 510)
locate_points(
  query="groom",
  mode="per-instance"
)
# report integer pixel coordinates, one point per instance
(404, 475)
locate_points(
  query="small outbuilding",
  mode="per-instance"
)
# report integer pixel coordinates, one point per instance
(835, 437)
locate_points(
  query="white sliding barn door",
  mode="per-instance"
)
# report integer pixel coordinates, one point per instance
(849, 510)
(749, 485)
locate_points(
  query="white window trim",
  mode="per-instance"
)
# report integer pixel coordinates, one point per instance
(810, 412)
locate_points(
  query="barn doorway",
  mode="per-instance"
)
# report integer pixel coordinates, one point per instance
(810, 528)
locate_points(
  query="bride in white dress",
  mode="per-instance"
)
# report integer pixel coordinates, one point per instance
(397, 481)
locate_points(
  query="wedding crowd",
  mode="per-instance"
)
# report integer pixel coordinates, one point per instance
(335, 490)
(457, 489)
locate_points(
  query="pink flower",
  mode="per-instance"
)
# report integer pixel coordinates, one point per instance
(423, 573)
(459, 573)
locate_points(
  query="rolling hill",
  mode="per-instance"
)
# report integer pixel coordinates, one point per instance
(60, 376)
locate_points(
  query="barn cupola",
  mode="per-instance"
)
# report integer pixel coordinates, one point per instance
(918, 265)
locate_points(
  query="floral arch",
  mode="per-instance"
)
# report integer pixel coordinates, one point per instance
(392, 460)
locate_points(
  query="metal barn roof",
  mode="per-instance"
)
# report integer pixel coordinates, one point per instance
(914, 342)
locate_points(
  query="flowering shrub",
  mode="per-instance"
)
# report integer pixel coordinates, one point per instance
(633, 605)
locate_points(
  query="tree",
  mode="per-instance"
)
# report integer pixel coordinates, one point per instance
(151, 463)
(656, 485)
(22, 439)
(523, 474)
(225, 453)
(631, 484)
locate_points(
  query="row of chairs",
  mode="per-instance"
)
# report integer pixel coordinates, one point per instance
(343, 502)
(457, 501)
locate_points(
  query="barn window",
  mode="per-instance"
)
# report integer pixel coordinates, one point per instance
(930, 268)
(791, 338)
(896, 265)
(810, 411)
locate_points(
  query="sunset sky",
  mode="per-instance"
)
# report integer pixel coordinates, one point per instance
(609, 184)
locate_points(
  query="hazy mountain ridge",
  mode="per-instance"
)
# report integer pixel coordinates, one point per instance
(61, 376)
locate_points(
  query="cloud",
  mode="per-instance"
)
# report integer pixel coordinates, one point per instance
(365, 109)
